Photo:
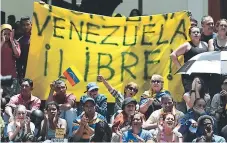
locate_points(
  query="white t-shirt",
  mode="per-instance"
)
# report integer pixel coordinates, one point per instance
(12, 127)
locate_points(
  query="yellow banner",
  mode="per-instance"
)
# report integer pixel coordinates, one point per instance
(119, 48)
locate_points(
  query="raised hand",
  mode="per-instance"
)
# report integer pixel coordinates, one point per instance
(20, 124)
(52, 85)
(223, 93)
(12, 36)
(119, 133)
(84, 121)
(194, 83)
(139, 138)
(27, 121)
(56, 117)
(100, 78)
(208, 133)
(45, 115)
(3, 37)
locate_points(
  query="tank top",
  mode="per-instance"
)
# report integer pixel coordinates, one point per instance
(50, 132)
(164, 140)
(218, 48)
(195, 50)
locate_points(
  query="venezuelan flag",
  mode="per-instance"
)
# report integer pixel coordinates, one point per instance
(73, 76)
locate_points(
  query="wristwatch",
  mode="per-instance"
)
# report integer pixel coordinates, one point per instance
(192, 90)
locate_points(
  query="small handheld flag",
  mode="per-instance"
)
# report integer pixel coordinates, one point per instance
(72, 75)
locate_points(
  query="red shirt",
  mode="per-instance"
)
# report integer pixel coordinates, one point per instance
(32, 104)
(66, 98)
(8, 59)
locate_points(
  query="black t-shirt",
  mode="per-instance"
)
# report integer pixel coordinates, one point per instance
(206, 38)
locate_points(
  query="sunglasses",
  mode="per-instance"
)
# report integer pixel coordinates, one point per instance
(225, 83)
(132, 89)
(156, 81)
(93, 90)
(223, 25)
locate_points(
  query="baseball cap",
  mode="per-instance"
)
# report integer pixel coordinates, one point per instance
(89, 99)
(127, 101)
(6, 26)
(91, 86)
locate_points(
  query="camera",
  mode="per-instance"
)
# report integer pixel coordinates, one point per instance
(6, 80)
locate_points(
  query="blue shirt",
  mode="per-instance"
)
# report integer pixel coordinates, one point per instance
(185, 123)
(101, 104)
(144, 134)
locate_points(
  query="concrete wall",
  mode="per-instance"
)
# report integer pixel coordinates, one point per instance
(18, 8)
(197, 7)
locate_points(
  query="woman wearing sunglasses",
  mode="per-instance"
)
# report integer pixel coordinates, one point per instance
(130, 90)
(150, 99)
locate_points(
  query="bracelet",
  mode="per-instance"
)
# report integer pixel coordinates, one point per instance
(192, 91)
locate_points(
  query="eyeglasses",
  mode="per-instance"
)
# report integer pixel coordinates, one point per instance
(93, 90)
(224, 83)
(156, 81)
(132, 89)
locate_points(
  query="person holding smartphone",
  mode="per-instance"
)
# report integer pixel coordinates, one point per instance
(206, 126)
(20, 126)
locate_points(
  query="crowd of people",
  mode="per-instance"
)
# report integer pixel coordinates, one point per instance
(200, 117)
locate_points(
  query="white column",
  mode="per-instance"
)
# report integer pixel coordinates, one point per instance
(199, 8)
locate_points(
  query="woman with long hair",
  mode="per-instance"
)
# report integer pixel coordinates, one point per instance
(188, 50)
(219, 43)
(52, 121)
(199, 90)
(166, 132)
